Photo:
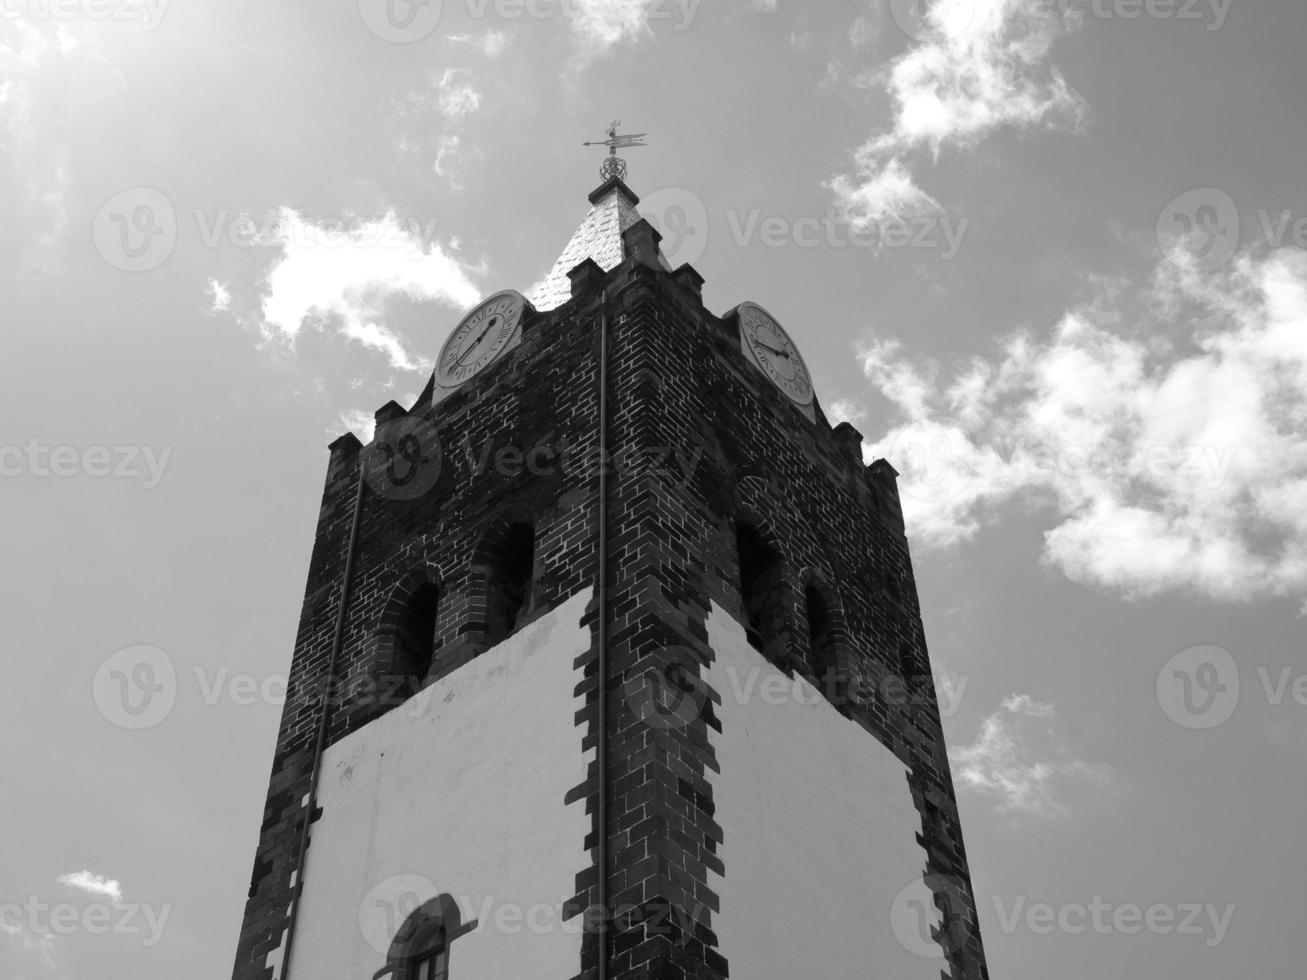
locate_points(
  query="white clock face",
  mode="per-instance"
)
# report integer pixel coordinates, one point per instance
(775, 353)
(480, 338)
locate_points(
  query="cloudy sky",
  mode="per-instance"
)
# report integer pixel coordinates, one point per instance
(1048, 256)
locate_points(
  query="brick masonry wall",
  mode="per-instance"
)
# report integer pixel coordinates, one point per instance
(700, 439)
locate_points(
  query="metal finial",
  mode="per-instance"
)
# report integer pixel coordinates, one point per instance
(615, 166)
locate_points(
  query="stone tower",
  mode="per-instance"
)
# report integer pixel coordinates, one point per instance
(610, 665)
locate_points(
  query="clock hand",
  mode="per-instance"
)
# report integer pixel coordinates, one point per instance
(472, 346)
(782, 353)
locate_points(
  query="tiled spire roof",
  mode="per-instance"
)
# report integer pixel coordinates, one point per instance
(599, 237)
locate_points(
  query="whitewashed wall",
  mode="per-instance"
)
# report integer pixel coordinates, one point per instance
(459, 791)
(819, 832)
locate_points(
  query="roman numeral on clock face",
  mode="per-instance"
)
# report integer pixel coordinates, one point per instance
(775, 353)
(480, 338)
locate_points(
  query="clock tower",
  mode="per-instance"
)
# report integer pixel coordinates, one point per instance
(610, 666)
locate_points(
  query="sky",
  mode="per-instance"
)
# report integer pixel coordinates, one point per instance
(1047, 256)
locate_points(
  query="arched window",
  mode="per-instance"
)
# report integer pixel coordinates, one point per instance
(761, 583)
(415, 639)
(420, 949)
(431, 962)
(509, 580)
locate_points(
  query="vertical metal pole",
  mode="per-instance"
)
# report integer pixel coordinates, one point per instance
(601, 761)
(345, 581)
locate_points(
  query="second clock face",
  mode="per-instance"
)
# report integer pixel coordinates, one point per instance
(775, 353)
(480, 338)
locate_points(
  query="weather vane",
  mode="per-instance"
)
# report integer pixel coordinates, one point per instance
(615, 166)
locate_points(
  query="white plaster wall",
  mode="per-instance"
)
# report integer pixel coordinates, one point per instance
(819, 828)
(459, 791)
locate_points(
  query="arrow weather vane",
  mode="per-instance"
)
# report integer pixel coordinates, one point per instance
(615, 166)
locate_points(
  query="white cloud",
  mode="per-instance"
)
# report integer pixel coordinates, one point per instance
(881, 191)
(1021, 763)
(452, 95)
(604, 23)
(35, 175)
(448, 161)
(26, 944)
(1162, 432)
(456, 97)
(347, 277)
(960, 83)
(93, 884)
(491, 44)
(362, 423)
(219, 296)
